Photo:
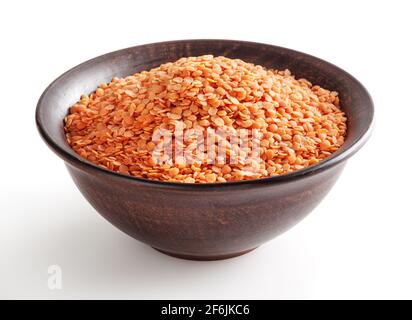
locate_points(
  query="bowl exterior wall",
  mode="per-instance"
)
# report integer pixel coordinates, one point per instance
(203, 223)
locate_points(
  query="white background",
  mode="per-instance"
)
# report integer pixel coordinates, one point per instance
(355, 244)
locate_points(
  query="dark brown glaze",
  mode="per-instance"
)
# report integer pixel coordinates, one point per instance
(207, 221)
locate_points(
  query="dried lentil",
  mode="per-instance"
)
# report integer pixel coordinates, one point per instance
(301, 124)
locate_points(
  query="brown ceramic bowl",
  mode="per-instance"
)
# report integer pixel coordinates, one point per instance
(203, 221)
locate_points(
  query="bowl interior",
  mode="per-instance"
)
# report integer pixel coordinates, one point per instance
(66, 90)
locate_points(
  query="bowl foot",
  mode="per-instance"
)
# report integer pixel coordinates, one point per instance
(204, 258)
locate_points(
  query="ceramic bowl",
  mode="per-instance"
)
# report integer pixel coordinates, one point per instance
(203, 221)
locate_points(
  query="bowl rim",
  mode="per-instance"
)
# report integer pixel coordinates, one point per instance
(81, 163)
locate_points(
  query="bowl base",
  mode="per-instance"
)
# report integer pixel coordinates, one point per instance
(204, 258)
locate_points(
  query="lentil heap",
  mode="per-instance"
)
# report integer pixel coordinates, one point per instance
(300, 123)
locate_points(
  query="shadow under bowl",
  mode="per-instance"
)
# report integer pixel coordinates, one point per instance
(203, 221)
